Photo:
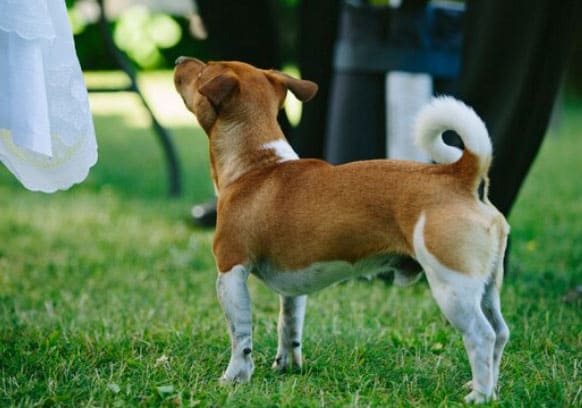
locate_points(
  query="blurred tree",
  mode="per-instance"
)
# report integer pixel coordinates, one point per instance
(141, 34)
(153, 39)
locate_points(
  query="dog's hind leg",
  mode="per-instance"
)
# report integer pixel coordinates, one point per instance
(491, 304)
(492, 308)
(461, 306)
(459, 297)
(290, 330)
(235, 300)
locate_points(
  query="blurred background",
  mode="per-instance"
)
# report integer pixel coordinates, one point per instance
(154, 33)
(143, 38)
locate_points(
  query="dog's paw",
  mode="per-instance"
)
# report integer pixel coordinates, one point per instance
(478, 397)
(242, 376)
(238, 371)
(281, 362)
(287, 360)
(471, 398)
(225, 381)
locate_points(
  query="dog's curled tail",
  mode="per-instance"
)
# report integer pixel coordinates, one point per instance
(447, 113)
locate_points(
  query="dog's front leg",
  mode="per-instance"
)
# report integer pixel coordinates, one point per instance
(234, 298)
(290, 330)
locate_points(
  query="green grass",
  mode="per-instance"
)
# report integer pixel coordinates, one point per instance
(107, 293)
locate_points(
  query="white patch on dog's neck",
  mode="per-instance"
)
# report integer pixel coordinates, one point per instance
(282, 149)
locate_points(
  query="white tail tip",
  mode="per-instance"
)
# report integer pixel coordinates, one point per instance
(447, 113)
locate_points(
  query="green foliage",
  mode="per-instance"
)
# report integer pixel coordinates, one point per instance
(141, 34)
(107, 293)
(78, 23)
(150, 40)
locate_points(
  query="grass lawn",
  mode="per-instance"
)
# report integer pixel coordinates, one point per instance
(107, 292)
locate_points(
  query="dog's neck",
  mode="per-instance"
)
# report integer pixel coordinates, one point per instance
(238, 149)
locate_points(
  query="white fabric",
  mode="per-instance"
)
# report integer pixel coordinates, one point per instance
(406, 94)
(47, 139)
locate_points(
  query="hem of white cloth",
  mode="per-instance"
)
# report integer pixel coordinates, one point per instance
(36, 172)
(27, 37)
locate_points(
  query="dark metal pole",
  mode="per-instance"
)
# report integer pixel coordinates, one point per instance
(164, 137)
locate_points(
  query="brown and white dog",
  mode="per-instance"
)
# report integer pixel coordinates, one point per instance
(301, 225)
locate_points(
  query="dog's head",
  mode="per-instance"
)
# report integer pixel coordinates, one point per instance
(229, 90)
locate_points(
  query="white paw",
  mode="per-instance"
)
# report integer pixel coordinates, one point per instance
(239, 370)
(478, 397)
(281, 362)
(285, 359)
(468, 386)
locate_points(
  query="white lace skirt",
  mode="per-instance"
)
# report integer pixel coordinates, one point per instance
(47, 139)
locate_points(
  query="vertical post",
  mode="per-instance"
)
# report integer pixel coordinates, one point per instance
(164, 137)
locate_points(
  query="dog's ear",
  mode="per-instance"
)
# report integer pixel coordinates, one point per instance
(220, 88)
(304, 90)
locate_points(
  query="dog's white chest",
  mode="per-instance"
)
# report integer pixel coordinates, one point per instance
(319, 275)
